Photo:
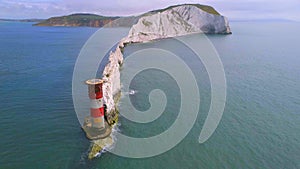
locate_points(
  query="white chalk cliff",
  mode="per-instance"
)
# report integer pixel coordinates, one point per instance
(111, 75)
(170, 22)
(178, 21)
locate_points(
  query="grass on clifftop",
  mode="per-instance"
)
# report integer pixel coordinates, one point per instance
(205, 8)
(79, 18)
(88, 16)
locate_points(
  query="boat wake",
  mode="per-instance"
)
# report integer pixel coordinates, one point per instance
(131, 92)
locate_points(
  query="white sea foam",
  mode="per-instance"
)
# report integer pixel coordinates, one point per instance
(115, 130)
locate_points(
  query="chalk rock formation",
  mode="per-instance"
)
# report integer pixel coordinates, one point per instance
(177, 21)
(170, 22)
(111, 75)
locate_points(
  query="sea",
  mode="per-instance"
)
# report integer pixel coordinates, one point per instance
(259, 128)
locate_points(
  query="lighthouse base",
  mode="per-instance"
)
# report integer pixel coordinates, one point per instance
(95, 133)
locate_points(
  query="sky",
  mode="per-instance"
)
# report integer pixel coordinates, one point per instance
(233, 9)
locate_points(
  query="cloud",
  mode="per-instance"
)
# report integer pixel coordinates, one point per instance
(258, 9)
(29, 9)
(246, 9)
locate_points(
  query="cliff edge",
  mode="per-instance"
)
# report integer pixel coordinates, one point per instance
(178, 21)
(170, 22)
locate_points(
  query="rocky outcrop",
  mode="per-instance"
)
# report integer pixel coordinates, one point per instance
(112, 87)
(178, 21)
(111, 95)
(170, 22)
(174, 20)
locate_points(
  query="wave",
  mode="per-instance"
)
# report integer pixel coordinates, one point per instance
(130, 92)
(113, 135)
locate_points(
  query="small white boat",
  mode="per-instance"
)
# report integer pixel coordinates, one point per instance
(132, 92)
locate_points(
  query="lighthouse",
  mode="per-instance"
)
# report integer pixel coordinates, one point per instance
(95, 125)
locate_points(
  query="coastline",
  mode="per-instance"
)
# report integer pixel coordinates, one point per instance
(154, 30)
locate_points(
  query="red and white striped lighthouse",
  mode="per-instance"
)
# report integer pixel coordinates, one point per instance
(96, 103)
(95, 125)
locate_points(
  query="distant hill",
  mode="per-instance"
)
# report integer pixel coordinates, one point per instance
(23, 20)
(92, 20)
(88, 20)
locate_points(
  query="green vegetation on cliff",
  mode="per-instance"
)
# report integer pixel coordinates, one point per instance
(92, 20)
(205, 8)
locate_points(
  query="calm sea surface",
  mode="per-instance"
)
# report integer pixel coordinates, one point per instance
(259, 129)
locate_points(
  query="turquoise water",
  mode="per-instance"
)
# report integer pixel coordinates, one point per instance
(259, 129)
